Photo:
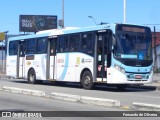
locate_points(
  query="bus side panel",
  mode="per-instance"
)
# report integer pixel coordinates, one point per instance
(65, 67)
(11, 66)
(83, 61)
(71, 65)
(38, 63)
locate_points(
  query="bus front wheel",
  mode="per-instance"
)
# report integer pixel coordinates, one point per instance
(31, 76)
(87, 80)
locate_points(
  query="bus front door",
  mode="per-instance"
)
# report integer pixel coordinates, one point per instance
(51, 64)
(21, 59)
(102, 56)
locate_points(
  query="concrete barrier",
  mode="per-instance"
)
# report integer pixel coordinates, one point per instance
(67, 97)
(100, 101)
(87, 100)
(145, 107)
(23, 91)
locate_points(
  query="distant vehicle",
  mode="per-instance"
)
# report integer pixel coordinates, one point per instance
(118, 54)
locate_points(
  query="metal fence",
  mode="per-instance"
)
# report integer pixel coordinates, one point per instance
(2, 59)
(2, 66)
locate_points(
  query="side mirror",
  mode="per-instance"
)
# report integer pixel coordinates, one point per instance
(113, 40)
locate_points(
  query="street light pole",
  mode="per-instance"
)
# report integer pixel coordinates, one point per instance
(62, 13)
(93, 19)
(124, 11)
(4, 51)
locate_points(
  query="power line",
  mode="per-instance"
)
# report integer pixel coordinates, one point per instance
(151, 24)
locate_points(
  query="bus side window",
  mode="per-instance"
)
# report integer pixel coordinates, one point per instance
(42, 45)
(87, 43)
(63, 44)
(31, 46)
(74, 43)
(60, 40)
(22, 49)
(13, 47)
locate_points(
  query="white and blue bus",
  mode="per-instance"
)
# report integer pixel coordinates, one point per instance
(117, 54)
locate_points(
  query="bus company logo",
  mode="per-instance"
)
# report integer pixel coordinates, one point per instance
(28, 63)
(60, 60)
(86, 60)
(82, 61)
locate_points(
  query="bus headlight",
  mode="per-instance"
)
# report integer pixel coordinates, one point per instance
(119, 68)
(122, 70)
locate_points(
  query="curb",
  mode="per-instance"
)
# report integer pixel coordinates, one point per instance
(23, 91)
(100, 101)
(86, 100)
(66, 97)
(145, 107)
(6, 77)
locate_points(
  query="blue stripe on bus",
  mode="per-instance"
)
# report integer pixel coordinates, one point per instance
(62, 76)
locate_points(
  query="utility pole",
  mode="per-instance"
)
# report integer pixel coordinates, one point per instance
(124, 11)
(61, 21)
(62, 13)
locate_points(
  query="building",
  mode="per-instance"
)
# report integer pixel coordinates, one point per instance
(2, 50)
(156, 38)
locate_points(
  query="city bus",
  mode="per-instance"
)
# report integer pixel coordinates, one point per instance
(113, 54)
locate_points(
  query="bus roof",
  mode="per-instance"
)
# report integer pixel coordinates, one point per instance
(68, 30)
(84, 29)
(28, 36)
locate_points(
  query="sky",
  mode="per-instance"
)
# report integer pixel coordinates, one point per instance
(76, 12)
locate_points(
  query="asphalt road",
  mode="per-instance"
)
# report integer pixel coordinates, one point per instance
(127, 97)
(9, 101)
(22, 103)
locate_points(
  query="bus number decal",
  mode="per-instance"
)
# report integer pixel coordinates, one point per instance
(28, 63)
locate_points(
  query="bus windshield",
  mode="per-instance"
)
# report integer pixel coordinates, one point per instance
(130, 45)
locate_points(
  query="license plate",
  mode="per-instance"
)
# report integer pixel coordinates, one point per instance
(138, 76)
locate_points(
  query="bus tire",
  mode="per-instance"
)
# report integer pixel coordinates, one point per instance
(87, 80)
(31, 76)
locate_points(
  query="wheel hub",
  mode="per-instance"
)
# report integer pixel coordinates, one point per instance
(87, 80)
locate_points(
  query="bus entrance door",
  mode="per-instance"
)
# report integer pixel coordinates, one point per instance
(51, 64)
(21, 59)
(102, 56)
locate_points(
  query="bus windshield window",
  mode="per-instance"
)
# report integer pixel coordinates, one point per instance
(133, 46)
